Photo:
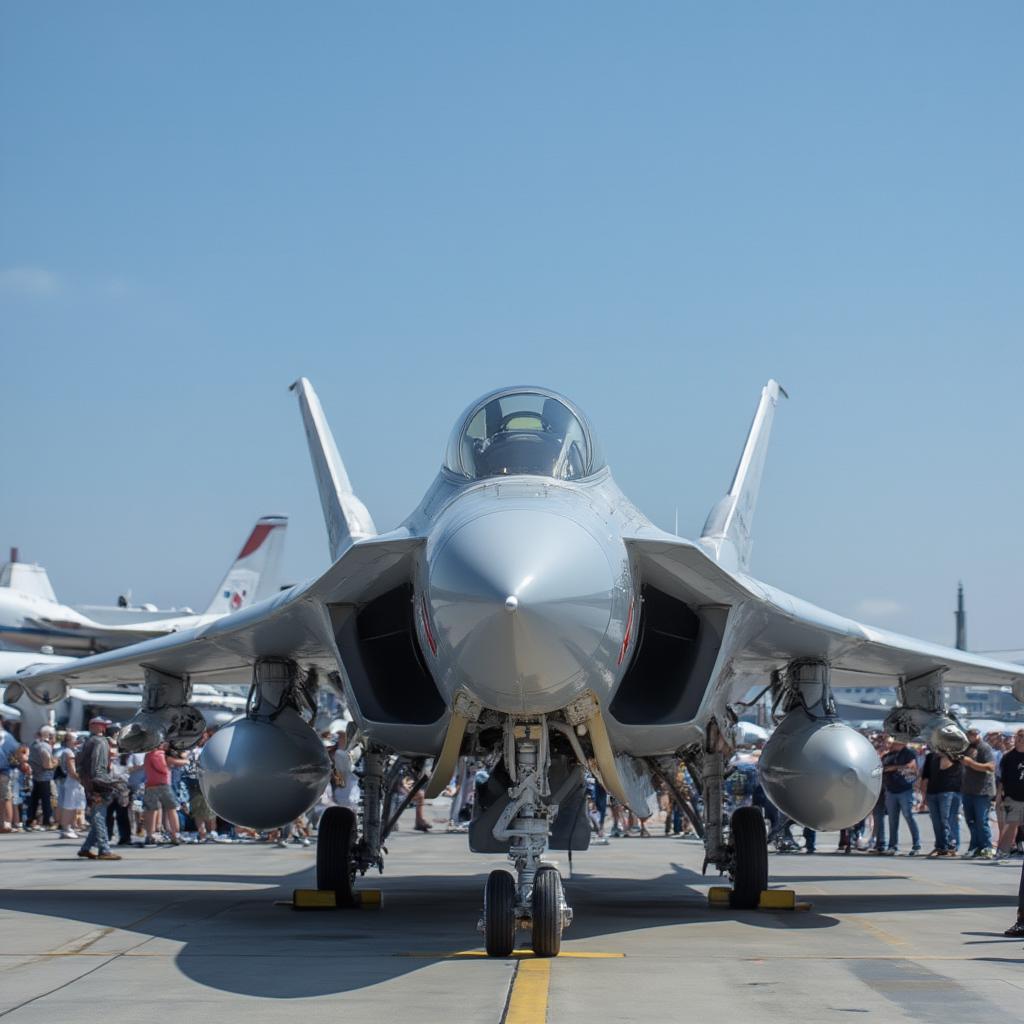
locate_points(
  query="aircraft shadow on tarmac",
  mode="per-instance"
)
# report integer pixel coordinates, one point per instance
(242, 941)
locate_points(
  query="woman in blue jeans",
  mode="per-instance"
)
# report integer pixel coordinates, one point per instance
(940, 786)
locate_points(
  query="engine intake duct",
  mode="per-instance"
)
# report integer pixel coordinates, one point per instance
(675, 653)
(382, 656)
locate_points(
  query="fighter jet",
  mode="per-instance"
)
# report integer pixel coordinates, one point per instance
(528, 615)
(31, 617)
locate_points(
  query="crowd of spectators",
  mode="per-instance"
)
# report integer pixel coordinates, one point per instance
(82, 787)
(980, 793)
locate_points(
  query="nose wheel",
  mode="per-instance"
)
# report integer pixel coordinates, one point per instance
(548, 905)
(545, 915)
(499, 914)
(532, 900)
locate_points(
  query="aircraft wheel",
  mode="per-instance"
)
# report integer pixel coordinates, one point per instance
(335, 838)
(500, 913)
(750, 843)
(547, 912)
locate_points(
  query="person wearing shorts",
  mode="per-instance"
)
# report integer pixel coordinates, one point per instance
(8, 748)
(158, 798)
(1011, 793)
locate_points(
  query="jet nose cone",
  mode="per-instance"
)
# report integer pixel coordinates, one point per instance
(522, 600)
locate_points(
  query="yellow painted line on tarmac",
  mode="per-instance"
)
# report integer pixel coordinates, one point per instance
(528, 999)
(516, 954)
(83, 942)
(879, 933)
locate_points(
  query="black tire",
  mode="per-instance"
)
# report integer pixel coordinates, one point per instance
(500, 913)
(335, 837)
(547, 912)
(750, 843)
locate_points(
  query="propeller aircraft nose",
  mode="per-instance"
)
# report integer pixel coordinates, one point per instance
(524, 602)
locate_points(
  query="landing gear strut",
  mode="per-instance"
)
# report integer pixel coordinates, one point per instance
(741, 850)
(342, 849)
(535, 899)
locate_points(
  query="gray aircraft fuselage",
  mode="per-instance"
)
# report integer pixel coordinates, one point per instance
(525, 594)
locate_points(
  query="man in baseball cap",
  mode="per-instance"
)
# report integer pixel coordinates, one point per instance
(93, 763)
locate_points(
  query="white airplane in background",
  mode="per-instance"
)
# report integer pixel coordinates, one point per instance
(32, 618)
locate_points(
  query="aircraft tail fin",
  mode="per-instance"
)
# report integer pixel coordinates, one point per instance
(256, 572)
(345, 515)
(726, 536)
(27, 578)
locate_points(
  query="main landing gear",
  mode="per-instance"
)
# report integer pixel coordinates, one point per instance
(741, 849)
(342, 849)
(335, 865)
(534, 899)
(749, 857)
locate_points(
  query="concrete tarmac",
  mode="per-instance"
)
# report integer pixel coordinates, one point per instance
(199, 933)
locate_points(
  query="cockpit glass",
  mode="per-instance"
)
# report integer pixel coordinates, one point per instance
(523, 432)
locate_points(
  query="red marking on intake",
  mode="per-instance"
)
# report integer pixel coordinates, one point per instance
(427, 629)
(628, 636)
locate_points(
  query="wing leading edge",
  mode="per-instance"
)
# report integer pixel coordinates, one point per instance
(772, 628)
(292, 624)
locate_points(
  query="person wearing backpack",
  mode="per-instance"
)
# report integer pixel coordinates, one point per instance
(93, 764)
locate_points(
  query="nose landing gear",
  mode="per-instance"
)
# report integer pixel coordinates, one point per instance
(535, 899)
(549, 910)
(499, 917)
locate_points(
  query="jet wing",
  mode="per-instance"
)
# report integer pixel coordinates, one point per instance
(102, 635)
(293, 624)
(796, 628)
(769, 628)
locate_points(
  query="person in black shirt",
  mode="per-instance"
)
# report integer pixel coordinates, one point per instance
(1011, 790)
(899, 771)
(940, 785)
(1010, 793)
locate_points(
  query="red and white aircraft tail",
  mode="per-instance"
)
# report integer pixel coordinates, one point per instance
(256, 572)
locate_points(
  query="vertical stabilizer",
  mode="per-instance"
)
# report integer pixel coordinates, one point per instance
(727, 532)
(345, 515)
(27, 578)
(256, 572)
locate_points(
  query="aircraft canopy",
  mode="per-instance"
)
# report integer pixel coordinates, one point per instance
(523, 431)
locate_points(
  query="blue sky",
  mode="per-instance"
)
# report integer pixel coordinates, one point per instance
(650, 207)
